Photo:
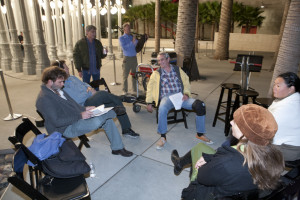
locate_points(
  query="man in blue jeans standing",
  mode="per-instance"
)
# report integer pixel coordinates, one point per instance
(64, 115)
(166, 81)
(87, 56)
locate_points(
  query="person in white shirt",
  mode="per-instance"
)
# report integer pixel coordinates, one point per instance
(286, 110)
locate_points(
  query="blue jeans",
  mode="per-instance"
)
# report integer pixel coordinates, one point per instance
(86, 77)
(105, 121)
(166, 105)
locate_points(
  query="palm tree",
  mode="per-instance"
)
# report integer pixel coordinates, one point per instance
(213, 16)
(285, 13)
(132, 16)
(236, 13)
(222, 50)
(251, 16)
(289, 51)
(202, 10)
(186, 28)
(157, 25)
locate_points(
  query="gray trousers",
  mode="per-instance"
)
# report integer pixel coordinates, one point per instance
(104, 121)
(129, 64)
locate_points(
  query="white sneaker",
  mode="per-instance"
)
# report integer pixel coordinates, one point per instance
(161, 143)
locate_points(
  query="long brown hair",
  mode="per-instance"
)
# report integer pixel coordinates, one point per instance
(265, 163)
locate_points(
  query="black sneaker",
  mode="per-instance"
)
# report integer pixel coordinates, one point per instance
(130, 133)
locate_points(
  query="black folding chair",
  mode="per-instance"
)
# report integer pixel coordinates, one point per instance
(96, 83)
(41, 186)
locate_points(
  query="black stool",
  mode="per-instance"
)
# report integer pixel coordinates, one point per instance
(264, 102)
(230, 87)
(245, 94)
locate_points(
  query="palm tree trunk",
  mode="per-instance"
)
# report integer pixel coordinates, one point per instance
(202, 31)
(186, 28)
(289, 51)
(197, 30)
(157, 25)
(285, 13)
(212, 34)
(222, 50)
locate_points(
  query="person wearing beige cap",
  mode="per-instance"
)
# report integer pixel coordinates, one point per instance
(254, 163)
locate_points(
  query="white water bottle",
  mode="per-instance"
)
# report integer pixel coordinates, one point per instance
(93, 171)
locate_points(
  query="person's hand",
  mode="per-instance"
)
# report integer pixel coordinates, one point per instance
(133, 39)
(80, 74)
(149, 108)
(92, 90)
(200, 163)
(89, 108)
(86, 114)
(185, 97)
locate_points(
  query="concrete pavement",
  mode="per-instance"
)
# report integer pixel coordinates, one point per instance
(148, 174)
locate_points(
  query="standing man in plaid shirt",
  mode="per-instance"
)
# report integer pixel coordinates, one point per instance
(166, 81)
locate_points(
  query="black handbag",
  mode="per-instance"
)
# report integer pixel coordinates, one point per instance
(67, 163)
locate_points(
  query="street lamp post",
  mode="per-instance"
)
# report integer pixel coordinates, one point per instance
(106, 9)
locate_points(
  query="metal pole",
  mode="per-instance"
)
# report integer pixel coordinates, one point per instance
(10, 116)
(115, 79)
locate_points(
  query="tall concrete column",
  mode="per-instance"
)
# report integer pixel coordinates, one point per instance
(4, 47)
(41, 50)
(79, 17)
(98, 20)
(69, 43)
(58, 31)
(50, 32)
(29, 62)
(74, 24)
(86, 22)
(110, 54)
(17, 54)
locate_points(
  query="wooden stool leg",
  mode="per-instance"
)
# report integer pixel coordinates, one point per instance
(228, 108)
(218, 107)
(236, 105)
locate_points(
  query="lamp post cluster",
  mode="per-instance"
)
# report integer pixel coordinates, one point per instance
(59, 23)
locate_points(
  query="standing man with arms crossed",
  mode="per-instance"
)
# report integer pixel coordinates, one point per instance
(87, 56)
(168, 80)
(128, 43)
(64, 115)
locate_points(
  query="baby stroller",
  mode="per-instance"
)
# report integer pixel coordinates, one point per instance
(142, 75)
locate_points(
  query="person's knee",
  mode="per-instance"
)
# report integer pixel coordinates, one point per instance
(199, 107)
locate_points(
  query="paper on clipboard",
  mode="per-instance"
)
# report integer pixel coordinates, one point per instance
(100, 110)
(176, 100)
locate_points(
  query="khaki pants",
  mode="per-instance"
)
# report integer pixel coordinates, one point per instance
(129, 65)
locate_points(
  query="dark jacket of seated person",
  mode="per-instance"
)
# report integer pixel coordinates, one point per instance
(254, 163)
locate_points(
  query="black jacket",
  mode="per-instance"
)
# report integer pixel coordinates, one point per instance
(223, 175)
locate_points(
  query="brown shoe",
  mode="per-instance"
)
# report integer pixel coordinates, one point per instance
(205, 139)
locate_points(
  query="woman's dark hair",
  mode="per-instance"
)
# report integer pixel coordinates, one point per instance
(291, 79)
(58, 63)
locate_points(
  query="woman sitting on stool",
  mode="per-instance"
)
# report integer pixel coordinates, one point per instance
(253, 163)
(286, 110)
